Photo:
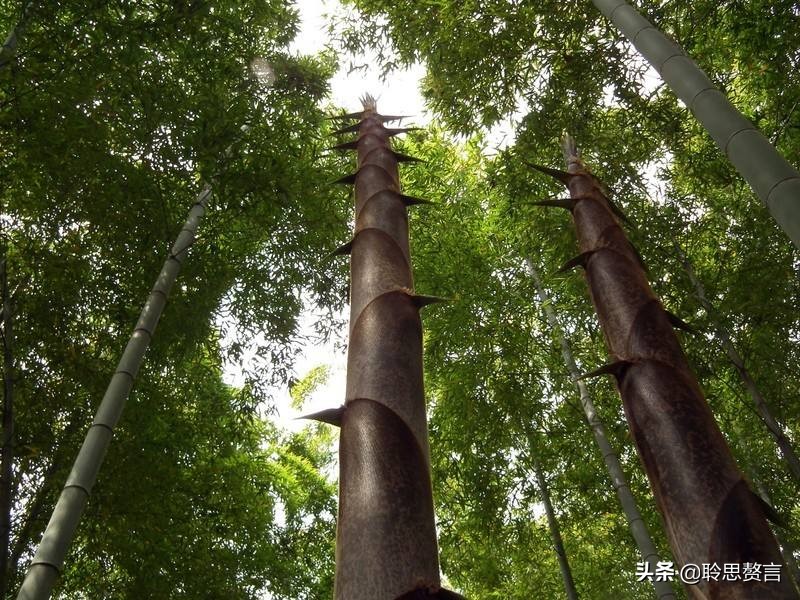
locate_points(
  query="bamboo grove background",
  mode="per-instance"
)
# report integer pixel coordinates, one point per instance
(115, 114)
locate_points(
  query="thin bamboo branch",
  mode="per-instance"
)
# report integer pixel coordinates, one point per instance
(9, 48)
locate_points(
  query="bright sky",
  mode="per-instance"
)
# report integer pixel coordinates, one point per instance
(398, 95)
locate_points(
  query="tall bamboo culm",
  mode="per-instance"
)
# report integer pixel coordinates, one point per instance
(386, 536)
(772, 178)
(48, 561)
(641, 536)
(709, 511)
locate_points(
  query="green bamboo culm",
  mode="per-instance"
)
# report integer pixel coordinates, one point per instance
(48, 561)
(772, 178)
(639, 532)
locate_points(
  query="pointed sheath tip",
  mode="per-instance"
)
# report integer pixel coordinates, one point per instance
(617, 369)
(567, 203)
(332, 416)
(369, 102)
(770, 511)
(562, 176)
(345, 117)
(435, 593)
(406, 158)
(345, 146)
(343, 250)
(679, 323)
(349, 129)
(617, 211)
(638, 256)
(387, 118)
(579, 261)
(423, 301)
(347, 179)
(448, 595)
(412, 201)
(399, 130)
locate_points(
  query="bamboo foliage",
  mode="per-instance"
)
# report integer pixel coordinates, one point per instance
(760, 404)
(710, 513)
(48, 561)
(641, 536)
(386, 537)
(772, 178)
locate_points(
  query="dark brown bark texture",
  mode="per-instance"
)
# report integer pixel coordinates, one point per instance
(386, 537)
(710, 513)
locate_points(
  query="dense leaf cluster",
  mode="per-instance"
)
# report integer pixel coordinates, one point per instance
(113, 116)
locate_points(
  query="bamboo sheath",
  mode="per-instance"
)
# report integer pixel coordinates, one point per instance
(710, 513)
(48, 561)
(641, 535)
(772, 178)
(386, 536)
